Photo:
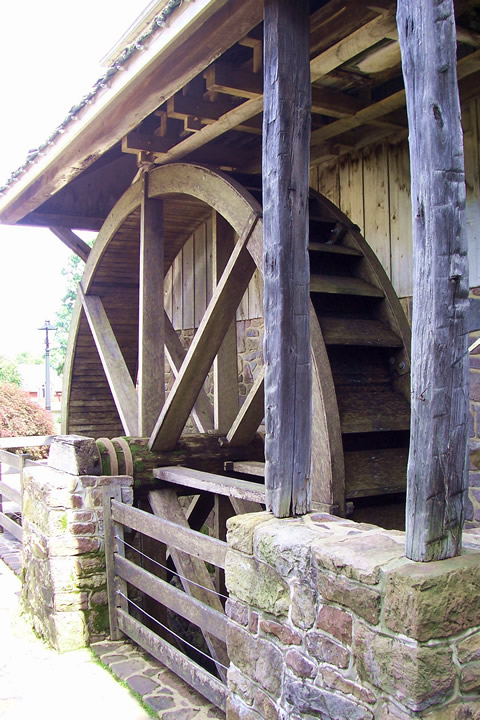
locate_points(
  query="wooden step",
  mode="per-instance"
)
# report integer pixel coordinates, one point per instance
(247, 467)
(372, 409)
(375, 472)
(209, 482)
(334, 249)
(339, 285)
(358, 331)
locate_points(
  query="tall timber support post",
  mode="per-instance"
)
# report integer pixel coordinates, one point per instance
(286, 157)
(439, 429)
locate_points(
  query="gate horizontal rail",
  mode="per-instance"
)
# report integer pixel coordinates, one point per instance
(123, 572)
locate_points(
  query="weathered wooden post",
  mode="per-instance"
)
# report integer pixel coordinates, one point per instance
(286, 155)
(439, 430)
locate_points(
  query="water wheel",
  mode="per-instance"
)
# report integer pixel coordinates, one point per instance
(360, 336)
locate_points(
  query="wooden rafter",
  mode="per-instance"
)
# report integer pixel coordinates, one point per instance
(72, 241)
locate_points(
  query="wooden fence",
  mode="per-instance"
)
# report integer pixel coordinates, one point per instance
(128, 580)
(13, 464)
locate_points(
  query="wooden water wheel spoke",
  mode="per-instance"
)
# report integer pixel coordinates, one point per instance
(151, 359)
(359, 335)
(206, 343)
(116, 371)
(225, 399)
(250, 414)
(202, 411)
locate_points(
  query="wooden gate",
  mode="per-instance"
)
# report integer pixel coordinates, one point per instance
(143, 601)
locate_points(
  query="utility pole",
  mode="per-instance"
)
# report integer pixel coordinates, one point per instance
(47, 327)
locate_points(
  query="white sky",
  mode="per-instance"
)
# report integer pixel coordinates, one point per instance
(50, 59)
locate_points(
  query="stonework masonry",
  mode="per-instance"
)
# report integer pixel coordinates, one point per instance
(64, 590)
(329, 620)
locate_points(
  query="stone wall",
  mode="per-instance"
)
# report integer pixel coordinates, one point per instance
(328, 619)
(64, 581)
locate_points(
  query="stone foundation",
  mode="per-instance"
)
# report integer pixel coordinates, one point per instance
(64, 582)
(328, 619)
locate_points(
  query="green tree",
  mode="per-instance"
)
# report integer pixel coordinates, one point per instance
(9, 372)
(28, 358)
(73, 273)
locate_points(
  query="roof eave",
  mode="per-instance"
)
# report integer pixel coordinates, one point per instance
(149, 78)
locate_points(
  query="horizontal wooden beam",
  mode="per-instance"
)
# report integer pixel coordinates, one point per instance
(205, 617)
(334, 103)
(182, 106)
(49, 220)
(224, 78)
(183, 538)
(135, 142)
(209, 482)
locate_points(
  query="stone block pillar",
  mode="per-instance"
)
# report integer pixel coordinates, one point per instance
(64, 581)
(328, 619)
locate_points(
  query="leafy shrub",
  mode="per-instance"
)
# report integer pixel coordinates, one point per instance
(21, 416)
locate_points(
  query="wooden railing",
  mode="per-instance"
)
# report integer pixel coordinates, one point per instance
(13, 464)
(188, 548)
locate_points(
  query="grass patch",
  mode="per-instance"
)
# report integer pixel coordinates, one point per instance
(123, 683)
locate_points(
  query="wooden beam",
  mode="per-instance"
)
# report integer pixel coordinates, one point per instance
(182, 106)
(151, 333)
(210, 482)
(437, 477)
(136, 141)
(225, 373)
(224, 78)
(226, 122)
(334, 103)
(250, 415)
(202, 411)
(72, 241)
(286, 155)
(205, 345)
(383, 26)
(165, 504)
(367, 114)
(116, 371)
